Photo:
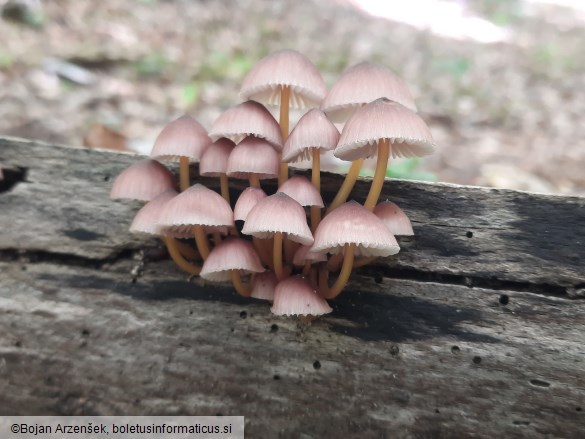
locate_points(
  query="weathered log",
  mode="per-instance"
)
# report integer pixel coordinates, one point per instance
(475, 329)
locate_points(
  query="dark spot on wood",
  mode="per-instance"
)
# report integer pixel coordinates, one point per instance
(469, 234)
(106, 178)
(378, 278)
(12, 176)
(243, 314)
(134, 280)
(521, 423)
(437, 411)
(455, 350)
(18, 343)
(276, 377)
(85, 332)
(274, 328)
(539, 383)
(578, 409)
(504, 299)
(382, 317)
(317, 365)
(82, 234)
(394, 350)
(477, 359)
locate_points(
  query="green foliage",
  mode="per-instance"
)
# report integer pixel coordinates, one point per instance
(154, 64)
(456, 66)
(405, 169)
(226, 65)
(191, 93)
(6, 60)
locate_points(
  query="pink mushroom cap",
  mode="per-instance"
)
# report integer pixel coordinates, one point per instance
(361, 84)
(304, 253)
(253, 157)
(147, 218)
(197, 205)
(408, 134)
(183, 137)
(313, 130)
(351, 223)
(394, 218)
(284, 68)
(143, 180)
(295, 296)
(278, 213)
(247, 119)
(263, 286)
(246, 201)
(215, 158)
(300, 189)
(231, 254)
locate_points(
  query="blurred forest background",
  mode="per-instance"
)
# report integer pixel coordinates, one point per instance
(500, 82)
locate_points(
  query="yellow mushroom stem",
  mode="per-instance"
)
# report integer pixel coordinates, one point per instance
(284, 116)
(254, 181)
(347, 185)
(263, 251)
(186, 250)
(201, 241)
(216, 239)
(184, 179)
(316, 180)
(243, 290)
(341, 282)
(357, 263)
(173, 248)
(290, 248)
(313, 278)
(379, 175)
(224, 185)
(334, 263)
(277, 256)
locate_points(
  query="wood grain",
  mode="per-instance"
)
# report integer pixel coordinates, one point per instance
(92, 323)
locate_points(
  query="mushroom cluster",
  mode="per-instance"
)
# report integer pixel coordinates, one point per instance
(290, 242)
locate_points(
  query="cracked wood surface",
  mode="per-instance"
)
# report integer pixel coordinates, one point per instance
(420, 345)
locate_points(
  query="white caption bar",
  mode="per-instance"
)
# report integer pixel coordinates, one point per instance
(122, 427)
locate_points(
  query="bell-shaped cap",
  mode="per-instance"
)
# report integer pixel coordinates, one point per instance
(231, 254)
(284, 68)
(215, 158)
(246, 201)
(197, 205)
(300, 189)
(253, 157)
(247, 119)
(408, 134)
(263, 286)
(183, 137)
(313, 130)
(304, 254)
(351, 223)
(394, 218)
(278, 213)
(143, 180)
(294, 296)
(147, 218)
(363, 83)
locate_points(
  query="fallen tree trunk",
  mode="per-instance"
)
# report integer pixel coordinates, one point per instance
(474, 329)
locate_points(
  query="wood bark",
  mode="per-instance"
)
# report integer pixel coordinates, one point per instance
(475, 329)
